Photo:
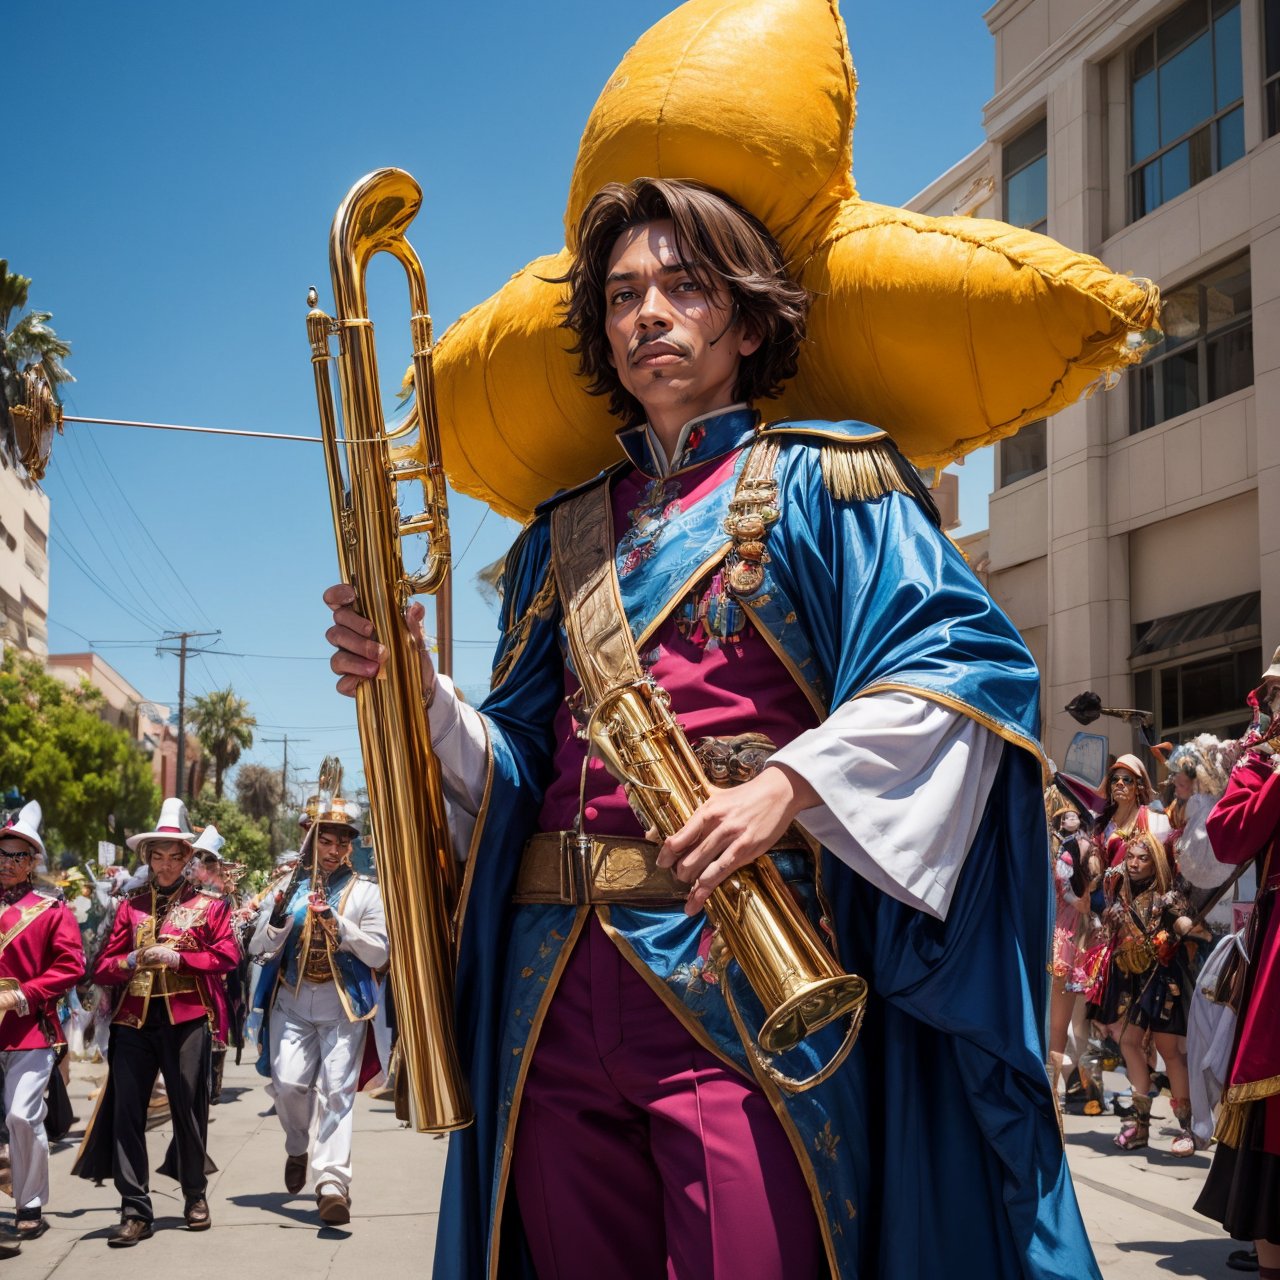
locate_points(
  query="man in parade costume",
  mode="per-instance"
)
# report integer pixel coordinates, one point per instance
(787, 584)
(41, 959)
(320, 937)
(169, 945)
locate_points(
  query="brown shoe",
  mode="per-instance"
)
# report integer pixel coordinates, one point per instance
(295, 1174)
(129, 1232)
(197, 1214)
(335, 1208)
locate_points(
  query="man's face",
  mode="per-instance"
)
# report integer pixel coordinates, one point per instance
(1140, 862)
(333, 845)
(167, 858)
(675, 346)
(16, 860)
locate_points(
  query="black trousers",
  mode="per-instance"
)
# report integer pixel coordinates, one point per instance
(181, 1054)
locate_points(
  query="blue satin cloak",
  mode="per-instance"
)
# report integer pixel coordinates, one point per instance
(941, 1126)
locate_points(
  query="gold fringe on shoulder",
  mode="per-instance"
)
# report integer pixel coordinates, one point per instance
(857, 472)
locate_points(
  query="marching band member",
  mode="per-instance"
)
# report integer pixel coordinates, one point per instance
(41, 959)
(167, 948)
(320, 936)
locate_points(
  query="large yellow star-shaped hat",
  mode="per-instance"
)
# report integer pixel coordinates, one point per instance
(946, 332)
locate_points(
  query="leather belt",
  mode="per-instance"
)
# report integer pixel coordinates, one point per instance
(561, 868)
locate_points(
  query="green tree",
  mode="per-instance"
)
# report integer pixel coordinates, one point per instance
(225, 728)
(27, 343)
(248, 840)
(258, 790)
(92, 780)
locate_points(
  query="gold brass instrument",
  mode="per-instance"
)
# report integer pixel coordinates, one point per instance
(758, 920)
(406, 801)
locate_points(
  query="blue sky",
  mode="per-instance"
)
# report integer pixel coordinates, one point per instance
(179, 169)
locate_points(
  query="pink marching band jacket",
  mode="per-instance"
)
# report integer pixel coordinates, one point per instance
(40, 951)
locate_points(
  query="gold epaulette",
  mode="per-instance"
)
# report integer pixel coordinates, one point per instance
(861, 471)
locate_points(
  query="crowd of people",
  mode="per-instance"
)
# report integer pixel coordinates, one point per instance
(1164, 954)
(159, 981)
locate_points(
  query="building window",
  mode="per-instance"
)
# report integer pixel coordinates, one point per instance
(1024, 454)
(1025, 164)
(1203, 695)
(1271, 38)
(1186, 92)
(1207, 352)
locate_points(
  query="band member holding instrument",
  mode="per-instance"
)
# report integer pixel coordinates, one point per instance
(41, 959)
(168, 947)
(320, 936)
(787, 585)
(1241, 1189)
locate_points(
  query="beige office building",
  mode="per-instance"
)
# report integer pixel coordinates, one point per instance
(24, 559)
(1135, 542)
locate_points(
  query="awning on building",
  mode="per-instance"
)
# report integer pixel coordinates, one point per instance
(1225, 621)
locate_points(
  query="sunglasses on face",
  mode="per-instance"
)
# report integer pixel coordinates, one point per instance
(1120, 780)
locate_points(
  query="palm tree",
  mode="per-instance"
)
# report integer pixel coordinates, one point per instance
(29, 344)
(258, 790)
(225, 728)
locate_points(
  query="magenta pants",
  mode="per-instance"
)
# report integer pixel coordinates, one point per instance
(639, 1154)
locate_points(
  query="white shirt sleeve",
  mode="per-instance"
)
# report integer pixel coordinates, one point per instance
(904, 782)
(461, 743)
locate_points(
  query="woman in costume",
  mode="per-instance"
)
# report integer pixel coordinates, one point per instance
(1076, 871)
(1198, 773)
(168, 946)
(1129, 796)
(1148, 984)
(1242, 1190)
(320, 937)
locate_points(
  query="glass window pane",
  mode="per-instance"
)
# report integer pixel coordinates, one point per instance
(1200, 154)
(1026, 147)
(1186, 90)
(1179, 376)
(1228, 292)
(1273, 108)
(1227, 62)
(1024, 454)
(1143, 403)
(1231, 362)
(1176, 30)
(1146, 189)
(1142, 688)
(1026, 195)
(1175, 171)
(1144, 54)
(1271, 35)
(1248, 664)
(1208, 687)
(1180, 316)
(1146, 125)
(1231, 138)
(1169, 696)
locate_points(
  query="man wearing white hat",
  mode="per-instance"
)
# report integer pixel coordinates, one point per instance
(167, 947)
(41, 958)
(320, 938)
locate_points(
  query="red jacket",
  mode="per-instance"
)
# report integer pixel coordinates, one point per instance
(43, 953)
(198, 927)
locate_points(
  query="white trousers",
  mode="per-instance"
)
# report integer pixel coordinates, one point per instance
(26, 1077)
(315, 1068)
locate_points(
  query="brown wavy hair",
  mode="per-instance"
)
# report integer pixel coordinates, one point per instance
(725, 248)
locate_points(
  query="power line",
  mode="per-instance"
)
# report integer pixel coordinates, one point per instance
(113, 596)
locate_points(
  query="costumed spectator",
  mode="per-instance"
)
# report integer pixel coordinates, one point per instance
(1129, 799)
(1198, 771)
(837, 622)
(167, 948)
(1077, 869)
(1148, 984)
(41, 959)
(319, 937)
(1242, 1190)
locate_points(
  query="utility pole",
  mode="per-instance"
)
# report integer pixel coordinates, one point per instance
(284, 772)
(182, 651)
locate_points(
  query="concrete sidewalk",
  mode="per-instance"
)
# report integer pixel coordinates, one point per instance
(1138, 1206)
(258, 1228)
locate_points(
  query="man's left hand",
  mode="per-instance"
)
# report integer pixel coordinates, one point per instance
(734, 827)
(9, 1000)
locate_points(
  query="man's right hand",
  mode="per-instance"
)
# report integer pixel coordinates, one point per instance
(359, 656)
